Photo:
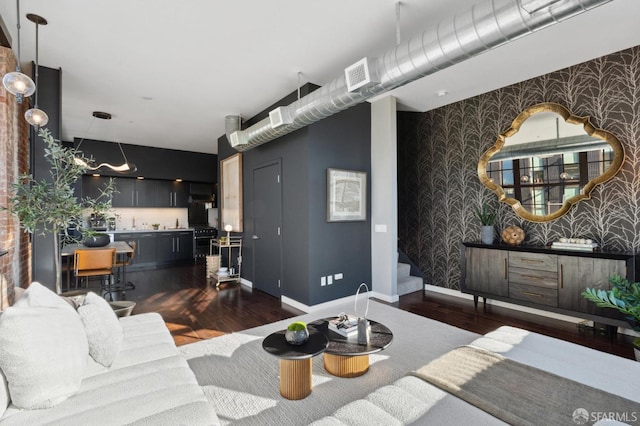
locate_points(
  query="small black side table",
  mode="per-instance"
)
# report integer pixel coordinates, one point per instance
(345, 357)
(295, 361)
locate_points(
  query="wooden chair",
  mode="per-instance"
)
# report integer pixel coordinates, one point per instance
(95, 263)
(123, 264)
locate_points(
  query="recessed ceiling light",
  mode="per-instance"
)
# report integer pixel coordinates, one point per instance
(441, 93)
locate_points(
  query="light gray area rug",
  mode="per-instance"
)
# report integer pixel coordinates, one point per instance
(241, 380)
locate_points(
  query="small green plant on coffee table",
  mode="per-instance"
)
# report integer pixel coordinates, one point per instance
(297, 326)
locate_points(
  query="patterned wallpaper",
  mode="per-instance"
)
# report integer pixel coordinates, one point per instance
(438, 152)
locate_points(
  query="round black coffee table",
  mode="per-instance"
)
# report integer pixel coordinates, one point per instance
(295, 361)
(345, 357)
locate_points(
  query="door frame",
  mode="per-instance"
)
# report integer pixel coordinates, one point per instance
(261, 165)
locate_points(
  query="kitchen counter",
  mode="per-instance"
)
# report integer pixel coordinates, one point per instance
(129, 231)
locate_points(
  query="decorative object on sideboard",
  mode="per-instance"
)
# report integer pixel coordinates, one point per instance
(296, 333)
(487, 218)
(624, 296)
(35, 116)
(521, 159)
(577, 244)
(513, 235)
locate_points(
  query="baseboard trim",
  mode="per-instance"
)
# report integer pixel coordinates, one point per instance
(333, 303)
(246, 283)
(561, 317)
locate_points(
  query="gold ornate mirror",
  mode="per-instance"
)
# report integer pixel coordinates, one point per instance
(548, 160)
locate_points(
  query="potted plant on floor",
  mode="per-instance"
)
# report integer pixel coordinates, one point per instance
(624, 296)
(487, 218)
(50, 206)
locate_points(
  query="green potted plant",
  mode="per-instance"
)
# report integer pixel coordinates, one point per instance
(487, 218)
(297, 333)
(624, 296)
(50, 206)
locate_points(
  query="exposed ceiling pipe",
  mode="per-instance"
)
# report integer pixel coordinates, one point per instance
(485, 26)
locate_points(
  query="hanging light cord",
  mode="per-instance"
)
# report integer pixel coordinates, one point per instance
(37, 49)
(122, 152)
(18, 26)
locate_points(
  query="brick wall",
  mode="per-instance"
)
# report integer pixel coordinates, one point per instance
(15, 266)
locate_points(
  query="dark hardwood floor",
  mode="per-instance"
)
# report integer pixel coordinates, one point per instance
(194, 309)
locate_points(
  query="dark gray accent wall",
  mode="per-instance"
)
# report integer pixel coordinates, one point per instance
(49, 100)
(438, 153)
(311, 247)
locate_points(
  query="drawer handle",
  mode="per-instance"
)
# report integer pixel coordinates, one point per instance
(531, 260)
(561, 276)
(505, 268)
(533, 277)
(526, 293)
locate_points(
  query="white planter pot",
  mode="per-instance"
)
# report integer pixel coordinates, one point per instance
(487, 234)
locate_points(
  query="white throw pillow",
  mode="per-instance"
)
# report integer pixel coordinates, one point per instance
(43, 349)
(103, 329)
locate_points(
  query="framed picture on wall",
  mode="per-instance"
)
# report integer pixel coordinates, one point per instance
(231, 192)
(346, 195)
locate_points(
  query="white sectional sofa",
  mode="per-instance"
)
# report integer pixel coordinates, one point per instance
(411, 400)
(148, 383)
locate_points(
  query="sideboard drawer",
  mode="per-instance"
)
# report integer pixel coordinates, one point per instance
(537, 261)
(533, 277)
(541, 295)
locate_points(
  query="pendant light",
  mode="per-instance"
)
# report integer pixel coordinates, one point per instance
(124, 168)
(16, 82)
(35, 116)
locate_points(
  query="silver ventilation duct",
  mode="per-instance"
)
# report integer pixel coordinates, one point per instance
(487, 25)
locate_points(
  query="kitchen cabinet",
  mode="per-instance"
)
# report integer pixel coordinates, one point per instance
(154, 248)
(145, 254)
(542, 278)
(171, 194)
(139, 192)
(174, 246)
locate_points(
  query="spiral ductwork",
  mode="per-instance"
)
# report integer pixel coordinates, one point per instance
(485, 26)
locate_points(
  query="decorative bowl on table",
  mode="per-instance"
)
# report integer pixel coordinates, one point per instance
(96, 240)
(297, 333)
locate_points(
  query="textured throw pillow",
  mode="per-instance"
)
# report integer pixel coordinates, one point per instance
(43, 349)
(103, 329)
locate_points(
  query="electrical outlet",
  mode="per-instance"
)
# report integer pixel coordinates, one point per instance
(329, 280)
(323, 281)
(338, 276)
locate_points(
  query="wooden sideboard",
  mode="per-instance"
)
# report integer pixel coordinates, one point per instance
(542, 278)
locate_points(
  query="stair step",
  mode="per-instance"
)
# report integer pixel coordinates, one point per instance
(409, 284)
(404, 270)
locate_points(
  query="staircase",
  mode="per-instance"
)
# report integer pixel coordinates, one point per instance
(407, 283)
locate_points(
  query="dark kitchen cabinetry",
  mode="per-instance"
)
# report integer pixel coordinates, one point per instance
(139, 192)
(542, 278)
(174, 246)
(171, 194)
(145, 254)
(155, 248)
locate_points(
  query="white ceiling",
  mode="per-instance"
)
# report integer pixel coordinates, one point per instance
(169, 71)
